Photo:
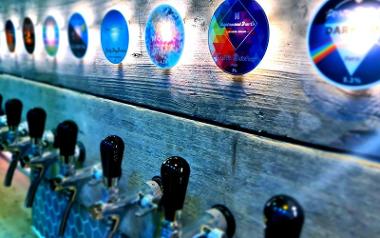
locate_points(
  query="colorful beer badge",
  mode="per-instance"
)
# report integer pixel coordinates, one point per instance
(78, 35)
(238, 36)
(28, 35)
(50, 35)
(344, 43)
(10, 35)
(165, 36)
(114, 36)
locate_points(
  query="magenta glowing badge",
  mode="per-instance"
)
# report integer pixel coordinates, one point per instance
(50, 35)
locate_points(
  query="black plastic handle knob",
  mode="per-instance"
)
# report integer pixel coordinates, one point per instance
(36, 118)
(112, 152)
(66, 135)
(230, 219)
(175, 173)
(13, 110)
(284, 217)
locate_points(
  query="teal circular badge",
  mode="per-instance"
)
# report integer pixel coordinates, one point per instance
(165, 36)
(78, 35)
(114, 36)
(50, 36)
(344, 43)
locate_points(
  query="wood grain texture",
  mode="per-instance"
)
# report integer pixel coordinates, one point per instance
(339, 193)
(15, 220)
(283, 97)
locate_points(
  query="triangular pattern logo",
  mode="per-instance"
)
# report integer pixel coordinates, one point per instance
(355, 37)
(239, 24)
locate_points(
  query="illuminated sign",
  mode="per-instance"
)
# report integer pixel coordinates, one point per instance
(114, 37)
(344, 43)
(78, 35)
(50, 35)
(165, 36)
(28, 35)
(238, 36)
(10, 35)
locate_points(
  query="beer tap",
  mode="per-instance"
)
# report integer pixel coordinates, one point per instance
(216, 222)
(41, 153)
(284, 217)
(69, 161)
(175, 173)
(11, 140)
(111, 154)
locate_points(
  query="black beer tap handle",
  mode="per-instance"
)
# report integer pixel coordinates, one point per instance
(36, 118)
(175, 173)
(230, 219)
(111, 153)
(66, 138)
(13, 110)
(284, 217)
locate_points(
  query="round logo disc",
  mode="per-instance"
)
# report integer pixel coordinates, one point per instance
(344, 43)
(10, 35)
(114, 36)
(238, 36)
(28, 35)
(50, 35)
(165, 36)
(78, 35)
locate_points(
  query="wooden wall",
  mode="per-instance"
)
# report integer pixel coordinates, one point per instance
(278, 129)
(340, 193)
(283, 98)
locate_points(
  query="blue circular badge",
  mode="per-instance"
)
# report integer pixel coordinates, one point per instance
(344, 43)
(165, 36)
(50, 36)
(78, 35)
(10, 35)
(114, 36)
(238, 36)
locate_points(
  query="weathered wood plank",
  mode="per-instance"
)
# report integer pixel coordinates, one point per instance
(283, 97)
(339, 193)
(15, 220)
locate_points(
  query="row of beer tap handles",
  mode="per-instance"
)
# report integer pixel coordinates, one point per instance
(56, 156)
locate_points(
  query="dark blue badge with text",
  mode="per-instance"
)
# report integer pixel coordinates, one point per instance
(344, 43)
(238, 36)
(78, 35)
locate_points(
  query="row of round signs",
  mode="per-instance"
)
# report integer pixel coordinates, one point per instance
(343, 38)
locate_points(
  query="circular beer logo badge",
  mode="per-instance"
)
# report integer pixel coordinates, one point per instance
(10, 35)
(28, 35)
(50, 35)
(344, 43)
(78, 35)
(165, 36)
(114, 37)
(238, 36)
